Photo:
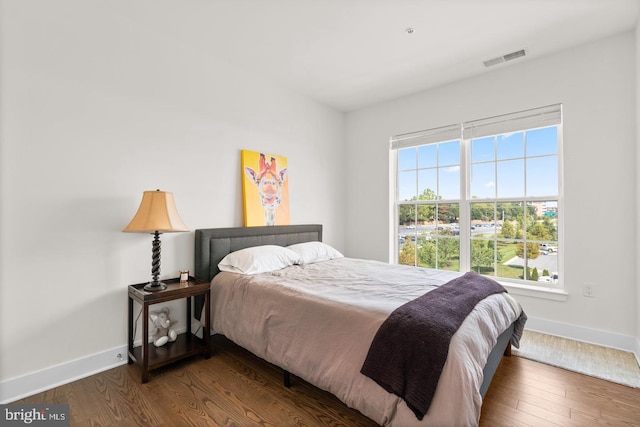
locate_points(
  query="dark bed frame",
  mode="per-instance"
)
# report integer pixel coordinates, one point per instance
(213, 244)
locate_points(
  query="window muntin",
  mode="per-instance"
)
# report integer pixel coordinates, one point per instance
(428, 229)
(509, 194)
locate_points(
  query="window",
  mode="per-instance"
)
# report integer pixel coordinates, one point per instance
(482, 196)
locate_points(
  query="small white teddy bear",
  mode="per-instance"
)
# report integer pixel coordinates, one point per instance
(162, 332)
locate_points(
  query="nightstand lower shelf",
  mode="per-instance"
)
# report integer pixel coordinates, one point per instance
(185, 345)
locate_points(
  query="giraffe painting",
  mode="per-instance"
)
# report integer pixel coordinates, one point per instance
(265, 187)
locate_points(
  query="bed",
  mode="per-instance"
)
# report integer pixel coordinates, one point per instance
(301, 320)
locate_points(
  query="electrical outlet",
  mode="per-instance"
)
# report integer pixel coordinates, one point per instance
(588, 290)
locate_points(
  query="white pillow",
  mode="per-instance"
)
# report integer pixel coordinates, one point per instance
(311, 252)
(258, 259)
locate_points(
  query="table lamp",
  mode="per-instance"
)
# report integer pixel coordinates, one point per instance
(157, 214)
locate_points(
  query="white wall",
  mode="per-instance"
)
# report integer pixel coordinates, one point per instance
(637, 72)
(96, 109)
(596, 84)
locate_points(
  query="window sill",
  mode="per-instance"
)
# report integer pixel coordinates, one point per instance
(542, 292)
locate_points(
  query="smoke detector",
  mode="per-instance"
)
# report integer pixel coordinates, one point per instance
(504, 58)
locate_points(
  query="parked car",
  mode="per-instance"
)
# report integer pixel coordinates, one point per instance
(548, 248)
(553, 278)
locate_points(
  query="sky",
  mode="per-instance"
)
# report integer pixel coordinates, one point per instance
(514, 165)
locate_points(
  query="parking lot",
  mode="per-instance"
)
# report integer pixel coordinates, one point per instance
(429, 229)
(547, 260)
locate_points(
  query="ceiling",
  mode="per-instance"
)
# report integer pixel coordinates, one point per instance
(352, 53)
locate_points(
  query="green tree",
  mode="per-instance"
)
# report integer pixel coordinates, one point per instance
(533, 250)
(534, 274)
(448, 249)
(482, 212)
(407, 255)
(481, 255)
(508, 211)
(491, 245)
(426, 213)
(428, 194)
(519, 232)
(524, 221)
(448, 213)
(539, 231)
(508, 230)
(427, 254)
(548, 224)
(406, 214)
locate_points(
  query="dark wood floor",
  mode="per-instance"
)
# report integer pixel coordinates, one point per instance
(234, 388)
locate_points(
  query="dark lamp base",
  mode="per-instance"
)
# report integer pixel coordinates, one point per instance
(155, 286)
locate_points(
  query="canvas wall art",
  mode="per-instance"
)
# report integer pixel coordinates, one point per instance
(265, 189)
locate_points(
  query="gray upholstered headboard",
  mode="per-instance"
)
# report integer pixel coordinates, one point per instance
(213, 244)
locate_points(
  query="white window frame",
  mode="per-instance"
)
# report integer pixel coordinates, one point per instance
(465, 132)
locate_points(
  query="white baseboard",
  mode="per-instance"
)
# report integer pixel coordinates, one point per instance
(45, 379)
(36, 382)
(48, 378)
(580, 333)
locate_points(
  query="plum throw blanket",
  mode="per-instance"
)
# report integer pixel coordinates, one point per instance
(409, 350)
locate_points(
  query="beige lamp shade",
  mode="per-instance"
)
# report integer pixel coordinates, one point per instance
(157, 212)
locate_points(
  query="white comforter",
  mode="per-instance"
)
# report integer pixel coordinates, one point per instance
(317, 322)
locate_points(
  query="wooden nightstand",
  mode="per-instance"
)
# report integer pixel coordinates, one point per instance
(151, 357)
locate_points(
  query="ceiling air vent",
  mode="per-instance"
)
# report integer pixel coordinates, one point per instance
(504, 58)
